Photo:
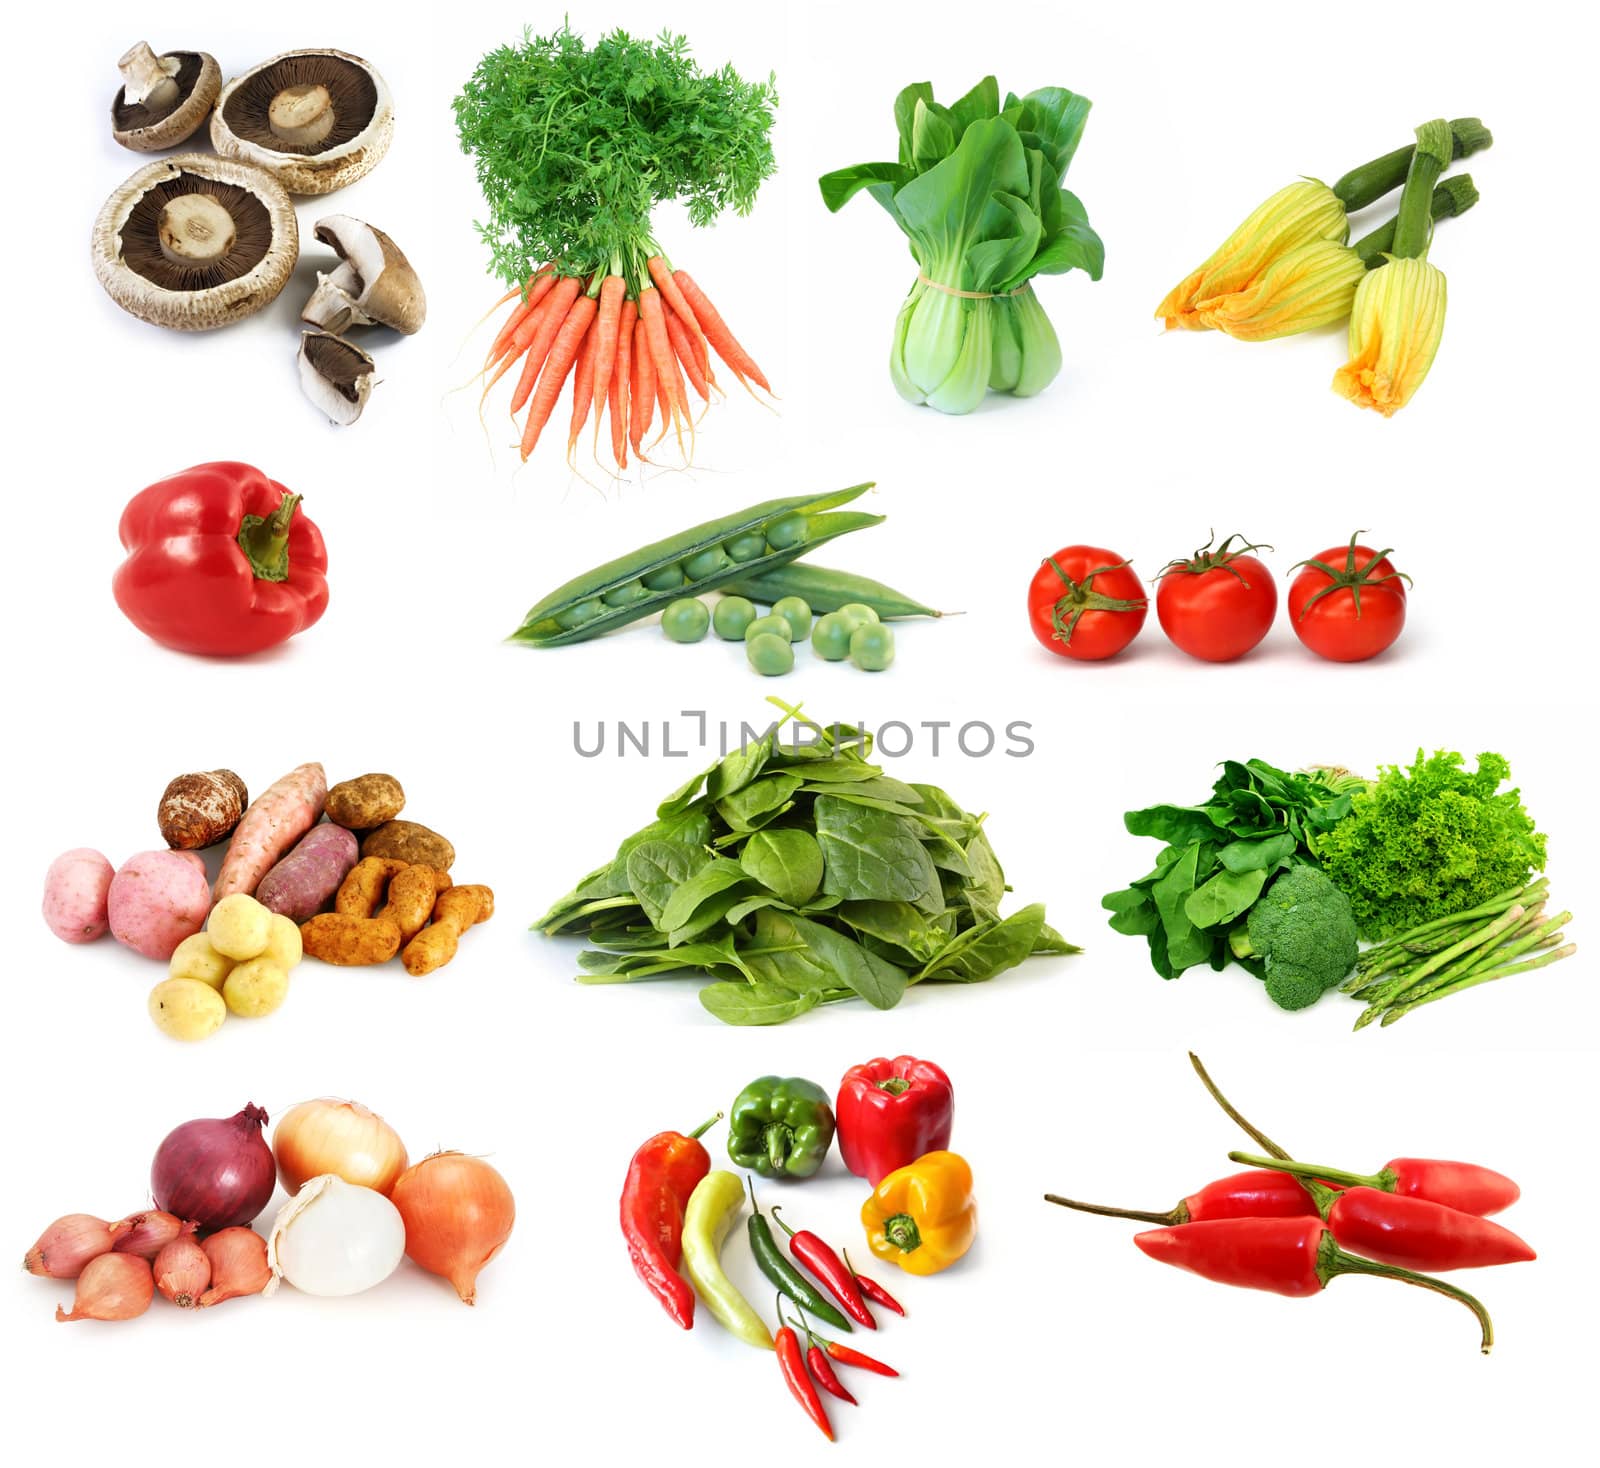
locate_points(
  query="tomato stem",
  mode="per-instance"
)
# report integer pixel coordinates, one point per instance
(1221, 559)
(1081, 597)
(1349, 579)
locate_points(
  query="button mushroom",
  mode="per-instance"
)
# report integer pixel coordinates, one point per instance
(195, 242)
(314, 119)
(335, 375)
(163, 99)
(373, 283)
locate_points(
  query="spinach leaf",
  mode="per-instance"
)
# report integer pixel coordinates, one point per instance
(786, 862)
(716, 876)
(988, 949)
(846, 962)
(759, 802)
(871, 854)
(657, 868)
(755, 1004)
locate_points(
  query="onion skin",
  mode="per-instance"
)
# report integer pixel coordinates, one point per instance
(458, 1212)
(147, 1234)
(338, 1137)
(70, 1243)
(182, 1271)
(220, 1173)
(238, 1265)
(112, 1287)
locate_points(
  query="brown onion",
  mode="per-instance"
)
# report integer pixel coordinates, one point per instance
(147, 1234)
(70, 1243)
(338, 1137)
(112, 1287)
(458, 1211)
(182, 1270)
(238, 1264)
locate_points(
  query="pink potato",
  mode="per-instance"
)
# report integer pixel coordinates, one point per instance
(157, 899)
(75, 891)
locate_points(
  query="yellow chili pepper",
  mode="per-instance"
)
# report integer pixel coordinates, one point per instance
(922, 1216)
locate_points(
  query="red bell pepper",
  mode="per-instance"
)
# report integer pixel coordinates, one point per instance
(891, 1112)
(220, 562)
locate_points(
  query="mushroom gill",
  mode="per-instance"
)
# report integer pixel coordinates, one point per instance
(191, 233)
(303, 103)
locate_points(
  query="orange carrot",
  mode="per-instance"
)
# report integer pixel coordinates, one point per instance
(512, 353)
(642, 389)
(551, 323)
(607, 323)
(678, 335)
(621, 379)
(583, 387)
(674, 403)
(673, 295)
(538, 286)
(563, 351)
(722, 340)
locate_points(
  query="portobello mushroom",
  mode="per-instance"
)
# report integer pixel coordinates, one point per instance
(373, 284)
(163, 99)
(335, 375)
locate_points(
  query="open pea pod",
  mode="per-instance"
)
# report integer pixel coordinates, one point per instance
(746, 543)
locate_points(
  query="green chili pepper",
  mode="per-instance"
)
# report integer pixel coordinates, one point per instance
(788, 1279)
(713, 1206)
(689, 563)
(824, 590)
(780, 1127)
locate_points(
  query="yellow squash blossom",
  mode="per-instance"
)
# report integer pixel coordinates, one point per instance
(1395, 327)
(1298, 215)
(1313, 285)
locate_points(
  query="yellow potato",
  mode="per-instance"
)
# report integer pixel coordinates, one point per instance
(283, 943)
(186, 1009)
(255, 988)
(195, 958)
(239, 927)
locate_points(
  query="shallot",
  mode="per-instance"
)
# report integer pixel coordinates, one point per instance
(182, 1271)
(70, 1243)
(112, 1287)
(341, 1137)
(238, 1259)
(334, 1238)
(218, 1172)
(458, 1212)
(147, 1234)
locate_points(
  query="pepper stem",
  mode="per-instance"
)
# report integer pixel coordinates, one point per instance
(779, 1138)
(1259, 1137)
(704, 1127)
(1335, 1261)
(1178, 1215)
(903, 1233)
(265, 540)
(895, 1085)
(1312, 1170)
(776, 1209)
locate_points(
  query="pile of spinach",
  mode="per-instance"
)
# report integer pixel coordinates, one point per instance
(1219, 858)
(795, 873)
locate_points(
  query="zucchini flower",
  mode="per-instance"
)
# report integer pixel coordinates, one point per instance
(1395, 329)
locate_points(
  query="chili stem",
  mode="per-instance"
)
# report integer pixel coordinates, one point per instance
(1310, 1169)
(1258, 1136)
(704, 1127)
(1343, 1263)
(1165, 1220)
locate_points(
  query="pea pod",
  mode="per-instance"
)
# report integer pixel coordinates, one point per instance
(767, 535)
(826, 591)
(714, 1204)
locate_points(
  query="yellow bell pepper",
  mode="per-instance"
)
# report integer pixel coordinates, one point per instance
(922, 1216)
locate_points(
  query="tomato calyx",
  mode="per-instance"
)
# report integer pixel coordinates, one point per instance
(1221, 559)
(1081, 597)
(1350, 578)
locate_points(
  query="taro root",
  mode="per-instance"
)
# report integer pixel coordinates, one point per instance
(201, 810)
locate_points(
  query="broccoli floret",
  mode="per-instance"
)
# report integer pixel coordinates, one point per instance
(1303, 933)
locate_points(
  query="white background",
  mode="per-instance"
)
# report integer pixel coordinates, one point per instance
(1070, 1073)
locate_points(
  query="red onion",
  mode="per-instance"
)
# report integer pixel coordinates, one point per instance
(218, 1173)
(70, 1243)
(112, 1287)
(147, 1234)
(182, 1270)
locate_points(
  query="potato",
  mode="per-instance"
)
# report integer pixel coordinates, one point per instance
(195, 958)
(411, 898)
(200, 810)
(365, 802)
(304, 882)
(411, 843)
(186, 1009)
(239, 927)
(75, 891)
(156, 900)
(336, 937)
(255, 988)
(283, 943)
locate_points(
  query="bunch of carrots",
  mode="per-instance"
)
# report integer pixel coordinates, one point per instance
(634, 352)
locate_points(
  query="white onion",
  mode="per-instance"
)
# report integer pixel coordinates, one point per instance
(334, 1238)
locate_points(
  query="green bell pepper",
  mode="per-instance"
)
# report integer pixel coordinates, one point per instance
(780, 1127)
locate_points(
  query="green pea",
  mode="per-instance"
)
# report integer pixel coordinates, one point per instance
(777, 626)
(584, 611)
(665, 578)
(685, 620)
(706, 563)
(859, 612)
(769, 654)
(731, 616)
(747, 547)
(796, 612)
(872, 647)
(830, 638)
(621, 596)
(788, 532)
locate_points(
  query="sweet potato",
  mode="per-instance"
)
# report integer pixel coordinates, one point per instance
(156, 900)
(304, 882)
(337, 937)
(75, 891)
(365, 802)
(200, 810)
(412, 893)
(277, 818)
(361, 893)
(411, 843)
(456, 910)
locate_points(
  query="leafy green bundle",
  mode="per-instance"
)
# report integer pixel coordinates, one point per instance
(977, 190)
(796, 873)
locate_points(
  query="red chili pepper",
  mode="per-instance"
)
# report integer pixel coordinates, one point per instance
(817, 1256)
(663, 1173)
(1287, 1256)
(873, 1290)
(822, 1369)
(792, 1363)
(221, 562)
(1253, 1194)
(849, 1356)
(891, 1112)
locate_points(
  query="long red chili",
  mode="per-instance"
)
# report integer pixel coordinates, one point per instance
(791, 1361)
(822, 1369)
(663, 1173)
(817, 1255)
(1255, 1194)
(1286, 1256)
(849, 1356)
(873, 1290)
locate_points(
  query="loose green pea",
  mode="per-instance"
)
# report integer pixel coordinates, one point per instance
(777, 626)
(705, 563)
(746, 547)
(731, 616)
(685, 620)
(769, 654)
(665, 578)
(584, 611)
(830, 638)
(796, 612)
(859, 612)
(872, 647)
(621, 596)
(788, 532)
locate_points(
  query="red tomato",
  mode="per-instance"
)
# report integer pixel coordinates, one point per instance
(1086, 603)
(1349, 603)
(1217, 604)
